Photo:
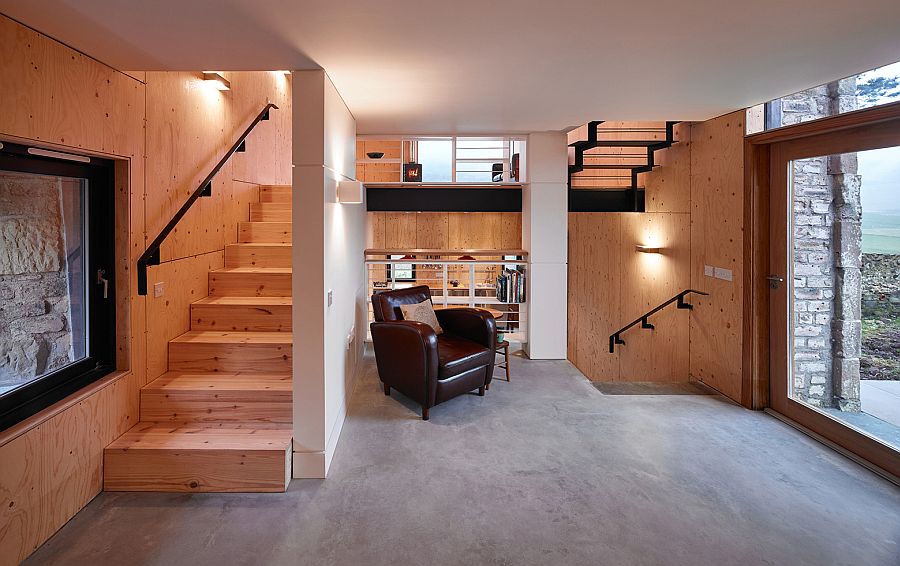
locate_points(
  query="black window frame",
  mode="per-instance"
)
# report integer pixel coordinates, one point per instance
(100, 238)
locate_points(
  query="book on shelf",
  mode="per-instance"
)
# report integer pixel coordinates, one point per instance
(511, 286)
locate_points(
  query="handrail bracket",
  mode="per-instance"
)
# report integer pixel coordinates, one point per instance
(644, 320)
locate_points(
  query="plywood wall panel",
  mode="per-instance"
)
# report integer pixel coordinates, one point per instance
(399, 230)
(22, 519)
(187, 122)
(668, 186)
(648, 280)
(717, 177)
(432, 230)
(186, 280)
(73, 459)
(250, 92)
(594, 292)
(56, 95)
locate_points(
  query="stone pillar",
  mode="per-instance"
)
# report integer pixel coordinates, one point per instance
(827, 259)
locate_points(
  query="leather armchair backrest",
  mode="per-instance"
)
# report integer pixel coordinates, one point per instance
(386, 305)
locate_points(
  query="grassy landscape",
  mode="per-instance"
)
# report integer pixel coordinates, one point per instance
(881, 232)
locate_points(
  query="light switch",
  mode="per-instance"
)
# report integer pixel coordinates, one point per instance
(159, 289)
(723, 274)
(709, 271)
(330, 297)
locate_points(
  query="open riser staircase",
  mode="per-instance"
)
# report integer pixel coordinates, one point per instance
(605, 159)
(220, 418)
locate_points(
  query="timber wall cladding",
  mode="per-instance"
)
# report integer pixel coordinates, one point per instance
(52, 95)
(611, 284)
(717, 208)
(445, 230)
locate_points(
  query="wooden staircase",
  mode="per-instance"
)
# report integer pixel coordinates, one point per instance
(220, 418)
(605, 159)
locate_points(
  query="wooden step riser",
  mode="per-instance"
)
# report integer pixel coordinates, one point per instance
(275, 193)
(257, 255)
(274, 358)
(265, 232)
(241, 318)
(270, 212)
(250, 284)
(258, 407)
(196, 471)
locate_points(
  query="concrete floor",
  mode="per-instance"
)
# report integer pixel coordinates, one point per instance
(543, 470)
(881, 399)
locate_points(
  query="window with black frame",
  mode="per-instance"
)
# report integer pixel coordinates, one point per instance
(57, 258)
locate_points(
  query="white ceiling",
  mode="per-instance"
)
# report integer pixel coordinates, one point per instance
(492, 66)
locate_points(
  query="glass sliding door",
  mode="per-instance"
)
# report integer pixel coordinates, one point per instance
(835, 288)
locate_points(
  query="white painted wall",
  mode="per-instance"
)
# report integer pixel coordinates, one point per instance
(329, 241)
(545, 221)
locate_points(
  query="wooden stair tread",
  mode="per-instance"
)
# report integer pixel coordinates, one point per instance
(219, 337)
(177, 436)
(220, 381)
(245, 301)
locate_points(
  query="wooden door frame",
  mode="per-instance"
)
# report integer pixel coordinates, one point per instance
(858, 130)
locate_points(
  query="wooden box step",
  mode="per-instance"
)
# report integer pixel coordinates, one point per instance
(204, 350)
(270, 212)
(250, 282)
(275, 193)
(265, 232)
(218, 397)
(244, 314)
(194, 458)
(258, 255)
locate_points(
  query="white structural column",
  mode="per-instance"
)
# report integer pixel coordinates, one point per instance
(329, 308)
(545, 224)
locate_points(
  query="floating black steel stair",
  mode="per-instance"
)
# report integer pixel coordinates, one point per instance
(604, 192)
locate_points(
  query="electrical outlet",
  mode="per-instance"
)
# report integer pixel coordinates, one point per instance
(709, 271)
(159, 289)
(723, 274)
(330, 297)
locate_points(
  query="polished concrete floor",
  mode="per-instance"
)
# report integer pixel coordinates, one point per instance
(543, 470)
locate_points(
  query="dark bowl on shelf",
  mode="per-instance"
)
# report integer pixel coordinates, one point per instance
(375, 154)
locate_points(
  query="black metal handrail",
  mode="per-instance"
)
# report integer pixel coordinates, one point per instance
(614, 338)
(151, 254)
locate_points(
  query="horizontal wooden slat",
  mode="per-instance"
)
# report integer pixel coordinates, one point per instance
(258, 255)
(265, 232)
(270, 212)
(245, 314)
(231, 351)
(250, 282)
(275, 193)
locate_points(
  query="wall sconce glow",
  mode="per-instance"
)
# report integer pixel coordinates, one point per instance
(285, 73)
(648, 249)
(216, 80)
(350, 192)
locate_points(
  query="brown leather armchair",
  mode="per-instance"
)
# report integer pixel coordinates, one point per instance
(427, 367)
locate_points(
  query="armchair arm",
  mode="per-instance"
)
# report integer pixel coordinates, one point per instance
(406, 354)
(473, 324)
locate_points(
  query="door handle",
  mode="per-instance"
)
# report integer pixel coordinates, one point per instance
(775, 281)
(101, 280)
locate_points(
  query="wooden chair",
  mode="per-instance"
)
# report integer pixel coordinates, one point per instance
(503, 348)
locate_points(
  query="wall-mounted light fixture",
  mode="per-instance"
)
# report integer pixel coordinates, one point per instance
(647, 249)
(216, 80)
(350, 192)
(285, 73)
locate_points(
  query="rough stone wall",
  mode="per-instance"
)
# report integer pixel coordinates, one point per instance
(827, 259)
(881, 286)
(35, 319)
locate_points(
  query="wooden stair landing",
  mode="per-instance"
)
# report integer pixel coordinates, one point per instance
(220, 420)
